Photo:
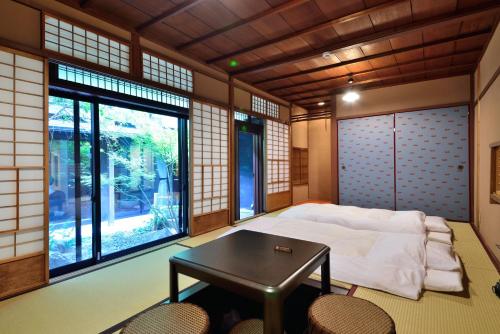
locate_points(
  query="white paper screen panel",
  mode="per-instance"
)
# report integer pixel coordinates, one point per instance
(278, 164)
(160, 70)
(66, 38)
(210, 142)
(265, 107)
(22, 184)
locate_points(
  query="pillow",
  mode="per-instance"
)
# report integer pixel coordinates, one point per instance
(441, 256)
(438, 280)
(436, 224)
(445, 238)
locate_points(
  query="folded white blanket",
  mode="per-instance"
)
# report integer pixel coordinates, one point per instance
(446, 281)
(360, 218)
(442, 237)
(436, 224)
(392, 262)
(441, 256)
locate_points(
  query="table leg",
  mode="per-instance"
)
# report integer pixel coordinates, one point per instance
(273, 316)
(174, 284)
(325, 276)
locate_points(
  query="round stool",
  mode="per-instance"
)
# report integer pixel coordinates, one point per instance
(178, 318)
(250, 326)
(343, 314)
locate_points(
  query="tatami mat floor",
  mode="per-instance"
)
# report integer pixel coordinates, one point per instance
(477, 310)
(96, 301)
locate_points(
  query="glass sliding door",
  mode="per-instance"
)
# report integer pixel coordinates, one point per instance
(249, 169)
(139, 177)
(70, 182)
(117, 179)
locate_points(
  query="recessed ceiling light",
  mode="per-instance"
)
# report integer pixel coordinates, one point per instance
(321, 103)
(350, 97)
(350, 80)
(326, 55)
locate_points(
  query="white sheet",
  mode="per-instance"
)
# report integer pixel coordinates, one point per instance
(360, 218)
(392, 262)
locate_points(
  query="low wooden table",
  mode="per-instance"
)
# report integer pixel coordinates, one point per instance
(248, 263)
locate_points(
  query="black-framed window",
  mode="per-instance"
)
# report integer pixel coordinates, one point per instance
(118, 173)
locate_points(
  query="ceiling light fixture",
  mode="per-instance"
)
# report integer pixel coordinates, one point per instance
(350, 97)
(350, 80)
(326, 55)
(321, 103)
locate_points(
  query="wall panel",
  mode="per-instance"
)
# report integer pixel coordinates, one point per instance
(210, 166)
(278, 165)
(22, 166)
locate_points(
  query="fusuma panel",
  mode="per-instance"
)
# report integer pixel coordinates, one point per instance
(432, 162)
(278, 161)
(21, 155)
(366, 162)
(210, 181)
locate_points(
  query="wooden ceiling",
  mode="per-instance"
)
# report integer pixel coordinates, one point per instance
(280, 45)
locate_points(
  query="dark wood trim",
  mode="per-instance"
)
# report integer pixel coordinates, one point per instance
(232, 156)
(434, 23)
(488, 85)
(374, 70)
(302, 32)
(472, 146)
(492, 256)
(398, 111)
(352, 290)
(272, 10)
(327, 98)
(339, 89)
(182, 7)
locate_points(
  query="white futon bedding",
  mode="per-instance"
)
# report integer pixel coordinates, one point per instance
(392, 262)
(400, 252)
(360, 218)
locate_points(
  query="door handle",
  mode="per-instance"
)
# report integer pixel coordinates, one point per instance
(343, 167)
(460, 167)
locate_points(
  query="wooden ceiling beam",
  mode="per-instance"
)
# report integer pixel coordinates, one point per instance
(273, 10)
(476, 50)
(435, 23)
(83, 3)
(482, 33)
(339, 89)
(182, 7)
(305, 31)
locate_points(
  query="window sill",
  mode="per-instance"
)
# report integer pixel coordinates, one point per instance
(495, 199)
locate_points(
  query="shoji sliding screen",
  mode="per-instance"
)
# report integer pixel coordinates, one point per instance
(278, 165)
(432, 162)
(366, 162)
(22, 171)
(210, 168)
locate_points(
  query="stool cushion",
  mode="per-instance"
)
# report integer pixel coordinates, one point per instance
(344, 314)
(178, 318)
(250, 326)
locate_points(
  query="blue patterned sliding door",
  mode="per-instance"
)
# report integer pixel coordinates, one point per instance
(366, 162)
(432, 162)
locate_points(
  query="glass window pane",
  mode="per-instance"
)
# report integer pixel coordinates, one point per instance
(70, 209)
(140, 188)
